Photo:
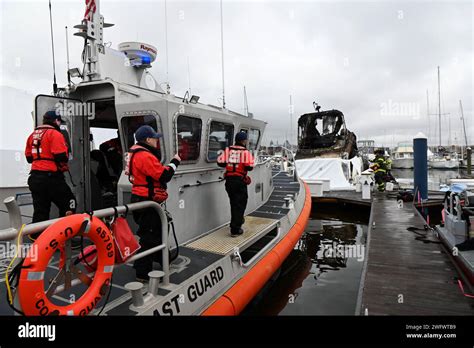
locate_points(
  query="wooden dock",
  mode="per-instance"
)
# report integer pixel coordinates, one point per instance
(402, 275)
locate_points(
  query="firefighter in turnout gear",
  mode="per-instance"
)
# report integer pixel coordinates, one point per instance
(47, 151)
(380, 166)
(149, 180)
(237, 161)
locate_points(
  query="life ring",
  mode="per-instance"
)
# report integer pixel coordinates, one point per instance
(31, 291)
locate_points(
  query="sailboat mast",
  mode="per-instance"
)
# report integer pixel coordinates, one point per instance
(463, 123)
(439, 108)
(246, 105)
(428, 114)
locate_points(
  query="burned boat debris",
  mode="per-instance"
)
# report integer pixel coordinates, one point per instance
(324, 134)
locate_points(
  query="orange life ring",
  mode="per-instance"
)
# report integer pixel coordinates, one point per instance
(31, 291)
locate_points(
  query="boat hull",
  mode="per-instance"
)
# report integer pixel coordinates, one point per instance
(403, 163)
(444, 164)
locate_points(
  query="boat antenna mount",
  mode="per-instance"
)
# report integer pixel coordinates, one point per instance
(316, 106)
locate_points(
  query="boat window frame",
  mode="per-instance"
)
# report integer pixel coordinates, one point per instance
(208, 135)
(159, 129)
(175, 133)
(248, 129)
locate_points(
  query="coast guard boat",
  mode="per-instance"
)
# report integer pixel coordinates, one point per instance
(213, 273)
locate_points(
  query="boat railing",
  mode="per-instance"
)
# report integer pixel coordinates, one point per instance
(295, 176)
(16, 223)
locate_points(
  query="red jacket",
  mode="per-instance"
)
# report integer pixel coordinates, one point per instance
(237, 161)
(47, 149)
(147, 175)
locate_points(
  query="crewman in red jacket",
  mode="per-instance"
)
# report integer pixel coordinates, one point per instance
(47, 151)
(237, 161)
(149, 180)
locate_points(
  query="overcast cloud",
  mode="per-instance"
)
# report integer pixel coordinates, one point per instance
(364, 58)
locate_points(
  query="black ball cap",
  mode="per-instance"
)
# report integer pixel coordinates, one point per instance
(52, 115)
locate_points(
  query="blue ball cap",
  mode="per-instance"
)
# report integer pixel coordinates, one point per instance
(145, 132)
(240, 136)
(52, 115)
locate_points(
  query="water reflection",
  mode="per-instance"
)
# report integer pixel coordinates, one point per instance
(321, 275)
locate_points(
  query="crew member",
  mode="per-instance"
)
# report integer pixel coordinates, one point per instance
(149, 180)
(380, 167)
(237, 161)
(47, 151)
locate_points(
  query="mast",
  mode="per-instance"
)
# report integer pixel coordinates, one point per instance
(67, 59)
(463, 123)
(55, 85)
(166, 44)
(222, 57)
(91, 30)
(291, 118)
(428, 114)
(189, 79)
(246, 105)
(439, 108)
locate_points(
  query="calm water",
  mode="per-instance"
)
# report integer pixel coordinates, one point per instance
(321, 276)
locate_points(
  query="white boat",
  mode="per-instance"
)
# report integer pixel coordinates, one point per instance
(444, 162)
(403, 156)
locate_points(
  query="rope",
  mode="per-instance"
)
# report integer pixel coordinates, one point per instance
(7, 280)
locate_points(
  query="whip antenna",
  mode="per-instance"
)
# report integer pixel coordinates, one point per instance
(222, 57)
(67, 59)
(166, 44)
(55, 85)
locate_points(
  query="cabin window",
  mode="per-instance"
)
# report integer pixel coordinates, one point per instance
(220, 137)
(131, 123)
(189, 137)
(253, 137)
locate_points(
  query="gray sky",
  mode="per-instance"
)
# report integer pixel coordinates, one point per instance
(372, 60)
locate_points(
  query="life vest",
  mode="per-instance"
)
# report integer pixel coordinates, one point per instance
(237, 158)
(39, 148)
(155, 190)
(31, 288)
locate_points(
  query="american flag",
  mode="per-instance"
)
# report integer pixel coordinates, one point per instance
(90, 9)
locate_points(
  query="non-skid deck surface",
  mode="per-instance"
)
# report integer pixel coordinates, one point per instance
(405, 276)
(221, 242)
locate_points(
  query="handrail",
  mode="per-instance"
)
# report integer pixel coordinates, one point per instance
(16, 223)
(199, 183)
(295, 176)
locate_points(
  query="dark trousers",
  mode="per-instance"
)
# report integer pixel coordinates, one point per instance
(149, 231)
(238, 196)
(47, 188)
(380, 180)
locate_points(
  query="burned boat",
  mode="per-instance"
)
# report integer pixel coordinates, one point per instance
(327, 150)
(324, 134)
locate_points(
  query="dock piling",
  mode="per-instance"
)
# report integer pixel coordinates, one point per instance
(420, 172)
